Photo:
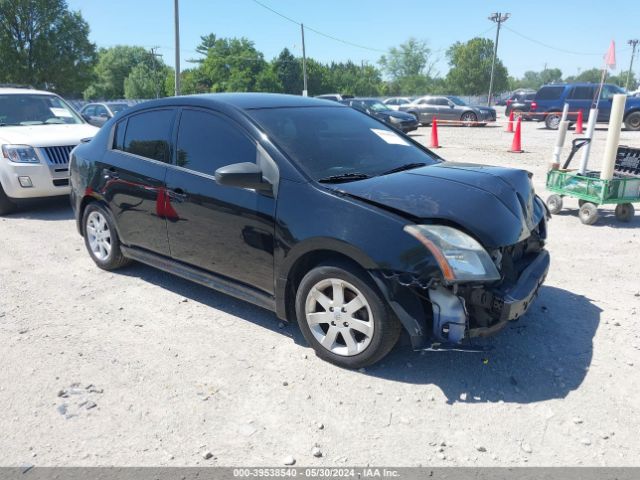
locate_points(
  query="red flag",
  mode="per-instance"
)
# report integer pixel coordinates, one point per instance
(610, 57)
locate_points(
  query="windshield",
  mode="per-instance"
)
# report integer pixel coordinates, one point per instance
(331, 141)
(32, 109)
(118, 107)
(378, 106)
(457, 101)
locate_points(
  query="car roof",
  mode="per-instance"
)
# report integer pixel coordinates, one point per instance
(23, 91)
(242, 101)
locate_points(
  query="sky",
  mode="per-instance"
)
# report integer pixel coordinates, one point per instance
(566, 34)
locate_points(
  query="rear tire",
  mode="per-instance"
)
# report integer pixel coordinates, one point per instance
(632, 122)
(625, 212)
(588, 213)
(552, 120)
(6, 205)
(101, 238)
(344, 317)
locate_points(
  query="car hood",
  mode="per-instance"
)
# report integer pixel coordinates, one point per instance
(46, 135)
(497, 205)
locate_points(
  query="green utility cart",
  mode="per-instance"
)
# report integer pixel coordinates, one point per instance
(591, 191)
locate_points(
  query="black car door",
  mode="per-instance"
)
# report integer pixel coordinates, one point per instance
(132, 178)
(225, 230)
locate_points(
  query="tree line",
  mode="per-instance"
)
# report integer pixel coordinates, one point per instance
(45, 45)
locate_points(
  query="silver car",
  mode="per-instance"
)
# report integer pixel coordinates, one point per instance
(425, 109)
(394, 103)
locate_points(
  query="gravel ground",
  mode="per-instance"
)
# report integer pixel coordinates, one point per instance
(142, 368)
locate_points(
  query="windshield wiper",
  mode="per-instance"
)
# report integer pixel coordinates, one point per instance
(345, 177)
(402, 168)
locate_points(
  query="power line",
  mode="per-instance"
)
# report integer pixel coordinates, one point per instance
(318, 32)
(549, 46)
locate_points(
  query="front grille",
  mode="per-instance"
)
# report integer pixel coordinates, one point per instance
(58, 155)
(61, 182)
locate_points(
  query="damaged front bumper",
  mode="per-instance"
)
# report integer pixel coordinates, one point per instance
(440, 317)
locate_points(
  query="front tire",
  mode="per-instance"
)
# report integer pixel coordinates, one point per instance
(588, 213)
(101, 238)
(6, 205)
(468, 117)
(343, 316)
(632, 122)
(554, 203)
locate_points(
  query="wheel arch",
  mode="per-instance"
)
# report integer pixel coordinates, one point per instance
(306, 256)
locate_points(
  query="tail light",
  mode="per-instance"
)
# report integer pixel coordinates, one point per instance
(534, 105)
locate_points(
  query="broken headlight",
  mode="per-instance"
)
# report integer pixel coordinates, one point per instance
(460, 257)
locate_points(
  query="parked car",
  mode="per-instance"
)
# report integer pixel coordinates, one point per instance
(519, 102)
(336, 97)
(550, 99)
(37, 131)
(374, 107)
(448, 108)
(394, 103)
(316, 211)
(98, 113)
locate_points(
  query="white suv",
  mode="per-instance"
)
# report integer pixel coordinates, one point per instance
(37, 131)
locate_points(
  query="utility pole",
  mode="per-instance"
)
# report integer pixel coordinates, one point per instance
(154, 57)
(304, 64)
(176, 20)
(634, 44)
(498, 18)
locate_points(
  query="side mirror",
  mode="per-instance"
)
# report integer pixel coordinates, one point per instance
(243, 175)
(86, 117)
(452, 105)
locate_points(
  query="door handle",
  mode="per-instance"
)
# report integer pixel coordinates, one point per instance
(110, 173)
(178, 194)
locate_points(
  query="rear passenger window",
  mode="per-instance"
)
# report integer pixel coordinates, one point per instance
(148, 135)
(207, 142)
(549, 93)
(582, 93)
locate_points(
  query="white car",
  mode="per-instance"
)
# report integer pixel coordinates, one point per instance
(38, 130)
(394, 103)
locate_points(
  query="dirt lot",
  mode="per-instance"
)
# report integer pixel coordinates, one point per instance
(142, 368)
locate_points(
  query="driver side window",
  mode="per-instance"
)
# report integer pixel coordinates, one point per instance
(207, 141)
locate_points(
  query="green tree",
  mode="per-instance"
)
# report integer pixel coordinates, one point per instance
(44, 44)
(470, 71)
(411, 58)
(535, 80)
(288, 69)
(113, 67)
(592, 75)
(233, 65)
(147, 82)
(621, 80)
(206, 42)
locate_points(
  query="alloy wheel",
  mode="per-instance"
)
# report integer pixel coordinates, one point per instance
(339, 317)
(99, 235)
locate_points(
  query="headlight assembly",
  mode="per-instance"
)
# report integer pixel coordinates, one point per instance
(20, 153)
(460, 257)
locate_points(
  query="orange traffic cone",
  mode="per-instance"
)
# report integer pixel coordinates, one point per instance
(579, 128)
(510, 124)
(516, 145)
(434, 134)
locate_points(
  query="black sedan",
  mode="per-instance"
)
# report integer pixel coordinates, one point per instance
(394, 118)
(318, 212)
